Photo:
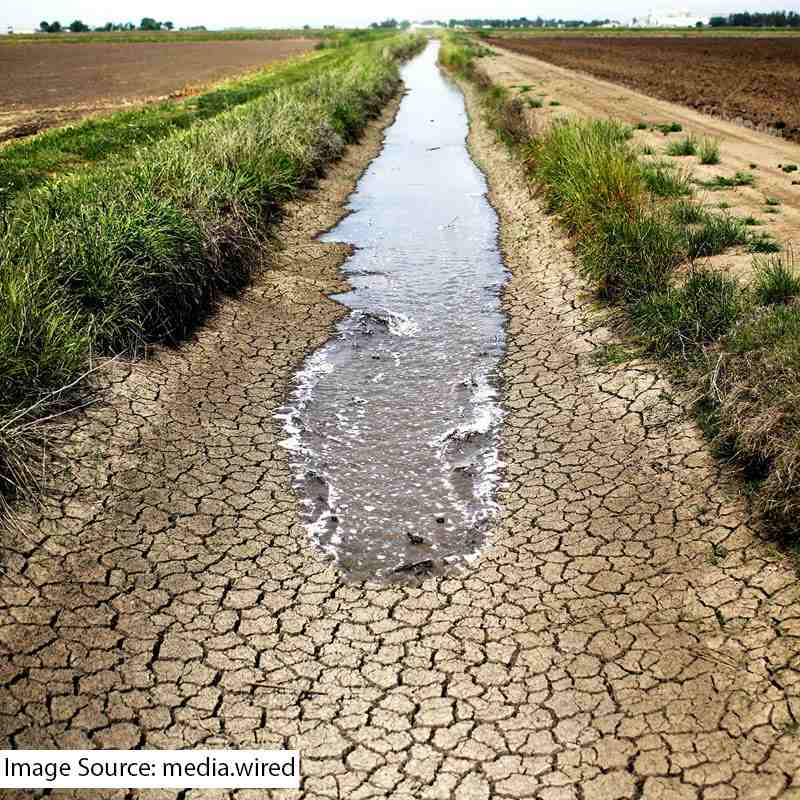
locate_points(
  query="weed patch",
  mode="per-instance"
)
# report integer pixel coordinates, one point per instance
(723, 182)
(708, 151)
(776, 281)
(682, 147)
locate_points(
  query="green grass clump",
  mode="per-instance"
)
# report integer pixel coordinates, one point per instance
(641, 126)
(554, 103)
(664, 180)
(688, 212)
(771, 201)
(751, 220)
(591, 178)
(709, 151)
(535, 103)
(758, 384)
(682, 320)
(585, 168)
(776, 282)
(788, 167)
(762, 243)
(669, 127)
(683, 147)
(139, 251)
(613, 355)
(714, 235)
(723, 182)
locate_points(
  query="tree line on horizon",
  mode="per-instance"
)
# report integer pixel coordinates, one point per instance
(77, 26)
(743, 19)
(519, 22)
(757, 19)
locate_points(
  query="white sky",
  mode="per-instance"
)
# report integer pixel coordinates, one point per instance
(26, 14)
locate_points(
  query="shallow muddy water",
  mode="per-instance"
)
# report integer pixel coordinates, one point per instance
(392, 426)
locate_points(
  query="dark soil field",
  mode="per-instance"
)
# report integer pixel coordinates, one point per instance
(755, 80)
(47, 76)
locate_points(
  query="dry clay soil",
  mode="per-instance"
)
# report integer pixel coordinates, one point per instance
(627, 634)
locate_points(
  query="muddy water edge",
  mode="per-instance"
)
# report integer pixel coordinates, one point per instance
(392, 425)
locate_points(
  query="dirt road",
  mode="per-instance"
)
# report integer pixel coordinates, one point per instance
(755, 78)
(742, 149)
(626, 636)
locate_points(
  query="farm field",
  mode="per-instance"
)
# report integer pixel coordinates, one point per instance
(756, 80)
(47, 83)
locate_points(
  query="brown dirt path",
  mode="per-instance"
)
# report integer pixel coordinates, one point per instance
(741, 147)
(753, 78)
(627, 635)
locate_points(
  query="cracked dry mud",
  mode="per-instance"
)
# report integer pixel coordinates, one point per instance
(627, 635)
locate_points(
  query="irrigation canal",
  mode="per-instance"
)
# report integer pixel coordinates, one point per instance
(393, 424)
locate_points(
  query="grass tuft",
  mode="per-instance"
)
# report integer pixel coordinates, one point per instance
(776, 281)
(722, 182)
(714, 235)
(762, 243)
(683, 147)
(709, 151)
(664, 180)
(682, 320)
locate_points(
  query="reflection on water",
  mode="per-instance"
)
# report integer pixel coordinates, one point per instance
(392, 425)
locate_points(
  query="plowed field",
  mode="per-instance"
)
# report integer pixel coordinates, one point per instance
(44, 75)
(756, 80)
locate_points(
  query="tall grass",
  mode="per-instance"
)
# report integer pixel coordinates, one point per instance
(139, 251)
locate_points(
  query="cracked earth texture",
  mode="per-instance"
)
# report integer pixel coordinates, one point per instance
(627, 635)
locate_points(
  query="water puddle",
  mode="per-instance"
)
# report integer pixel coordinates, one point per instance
(392, 426)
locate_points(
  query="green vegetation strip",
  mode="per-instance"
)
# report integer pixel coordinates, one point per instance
(137, 251)
(27, 164)
(634, 225)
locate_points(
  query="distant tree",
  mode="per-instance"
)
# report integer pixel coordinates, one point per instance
(76, 26)
(169, 26)
(306, 27)
(44, 26)
(55, 27)
(149, 24)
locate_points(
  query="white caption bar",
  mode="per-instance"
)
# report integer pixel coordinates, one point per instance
(149, 769)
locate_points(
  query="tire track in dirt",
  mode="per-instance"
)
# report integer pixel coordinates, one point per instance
(626, 636)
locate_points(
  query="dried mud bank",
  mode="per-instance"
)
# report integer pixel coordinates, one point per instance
(626, 637)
